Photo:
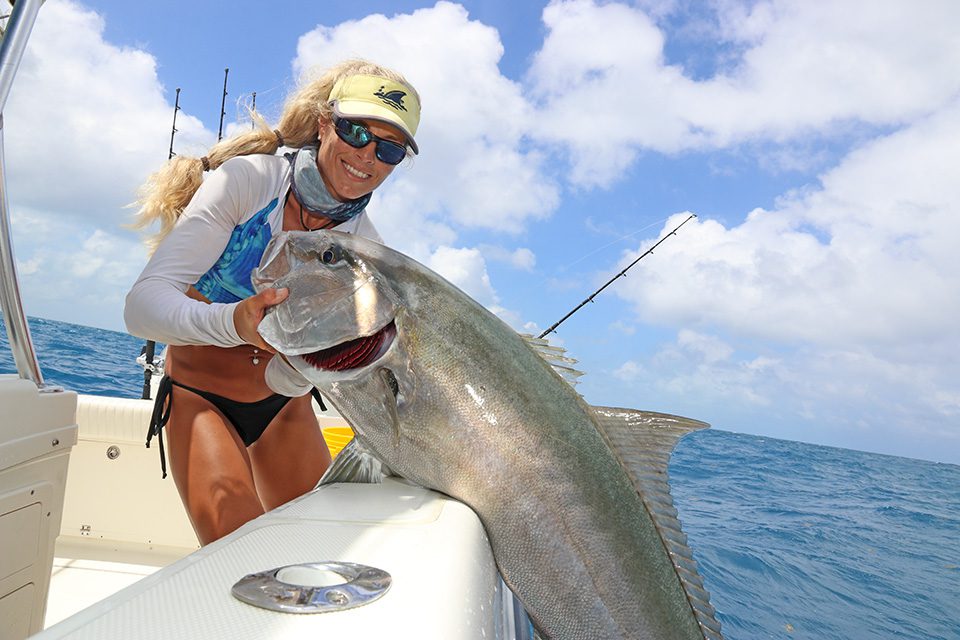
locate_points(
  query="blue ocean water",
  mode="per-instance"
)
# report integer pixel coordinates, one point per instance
(803, 541)
(794, 540)
(84, 359)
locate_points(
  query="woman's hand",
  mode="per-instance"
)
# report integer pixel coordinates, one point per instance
(248, 314)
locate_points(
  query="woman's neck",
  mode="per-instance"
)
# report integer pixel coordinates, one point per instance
(301, 218)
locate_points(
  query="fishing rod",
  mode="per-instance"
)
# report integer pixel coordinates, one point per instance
(623, 273)
(150, 347)
(223, 104)
(173, 129)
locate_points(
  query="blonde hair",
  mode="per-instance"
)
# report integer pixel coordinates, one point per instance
(165, 194)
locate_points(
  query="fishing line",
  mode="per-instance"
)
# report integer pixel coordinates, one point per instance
(613, 242)
(623, 273)
(246, 104)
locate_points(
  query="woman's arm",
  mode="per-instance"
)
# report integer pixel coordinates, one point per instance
(157, 307)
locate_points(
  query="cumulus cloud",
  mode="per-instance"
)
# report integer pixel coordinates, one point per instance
(521, 258)
(74, 271)
(708, 348)
(629, 371)
(28, 267)
(860, 258)
(848, 397)
(605, 90)
(475, 170)
(810, 64)
(87, 121)
(467, 269)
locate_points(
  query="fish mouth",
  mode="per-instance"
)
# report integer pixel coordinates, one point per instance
(353, 354)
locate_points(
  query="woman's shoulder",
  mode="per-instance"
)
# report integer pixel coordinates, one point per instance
(239, 187)
(254, 178)
(256, 163)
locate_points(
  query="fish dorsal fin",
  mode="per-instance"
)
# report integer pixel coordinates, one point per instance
(354, 464)
(556, 357)
(643, 442)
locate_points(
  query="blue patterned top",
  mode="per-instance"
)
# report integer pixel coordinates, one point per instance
(228, 280)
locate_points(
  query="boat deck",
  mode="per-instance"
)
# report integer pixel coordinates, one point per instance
(76, 583)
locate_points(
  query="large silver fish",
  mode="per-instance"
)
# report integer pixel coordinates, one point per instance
(574, 498)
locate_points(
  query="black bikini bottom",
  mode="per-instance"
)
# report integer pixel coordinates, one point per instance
(249, 419)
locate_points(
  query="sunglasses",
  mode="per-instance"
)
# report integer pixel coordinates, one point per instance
(358, 136)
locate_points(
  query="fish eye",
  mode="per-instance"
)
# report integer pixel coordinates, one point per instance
(329, 255)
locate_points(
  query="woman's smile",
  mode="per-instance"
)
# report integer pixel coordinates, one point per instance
(348, 172)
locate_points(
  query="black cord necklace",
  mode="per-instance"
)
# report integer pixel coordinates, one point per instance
(303, 220)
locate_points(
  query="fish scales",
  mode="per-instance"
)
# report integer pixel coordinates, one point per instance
(461, 404)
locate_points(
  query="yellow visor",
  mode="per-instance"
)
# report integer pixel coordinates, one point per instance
(371, 97)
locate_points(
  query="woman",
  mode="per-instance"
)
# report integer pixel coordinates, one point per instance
(237, 449)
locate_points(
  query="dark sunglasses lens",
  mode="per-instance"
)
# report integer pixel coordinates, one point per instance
(353, 134)
(357, 135)
(390, 152)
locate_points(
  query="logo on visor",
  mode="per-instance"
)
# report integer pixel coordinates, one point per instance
(393, 98)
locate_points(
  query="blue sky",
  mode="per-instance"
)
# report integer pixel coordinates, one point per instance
(813, 298)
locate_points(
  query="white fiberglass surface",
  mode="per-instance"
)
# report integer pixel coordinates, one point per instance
(444, 581)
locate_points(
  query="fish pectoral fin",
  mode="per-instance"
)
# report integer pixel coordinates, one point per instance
(392, 400)
(643, 442)
(354, 464)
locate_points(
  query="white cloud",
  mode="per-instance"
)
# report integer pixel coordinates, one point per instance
(702, 370)
(606, 91)
(87, 121)
(601, 88)
(74, 271)
(814, 63)
(834, 310)
(402, 212)
(626, 328)
(861, 258)
(467, 269)
(629, 371)
(709, 348)
(521, 258)
(475, 169)
(28, 267)
(533, 329)
(845, 397)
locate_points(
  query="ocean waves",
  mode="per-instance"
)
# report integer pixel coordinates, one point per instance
(803, 541)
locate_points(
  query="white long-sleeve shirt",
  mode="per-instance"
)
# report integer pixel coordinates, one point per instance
(215, 244)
